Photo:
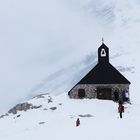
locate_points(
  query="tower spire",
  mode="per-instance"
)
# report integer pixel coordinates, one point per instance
(103, 53)
(102, 40)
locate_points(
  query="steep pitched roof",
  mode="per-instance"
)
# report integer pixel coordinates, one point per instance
(104, 73)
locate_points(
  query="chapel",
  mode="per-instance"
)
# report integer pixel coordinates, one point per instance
(104, 81)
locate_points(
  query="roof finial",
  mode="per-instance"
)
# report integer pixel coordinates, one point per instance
(102, 40)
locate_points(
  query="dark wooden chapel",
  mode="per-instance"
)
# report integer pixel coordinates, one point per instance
(103, 82)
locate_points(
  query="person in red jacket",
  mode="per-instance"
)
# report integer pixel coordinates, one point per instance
(77, 122)
(120, 109)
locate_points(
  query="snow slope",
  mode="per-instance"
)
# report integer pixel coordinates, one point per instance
(40, 43)
(101, 121)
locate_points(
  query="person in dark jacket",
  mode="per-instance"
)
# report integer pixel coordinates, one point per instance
(120, 109)
(77, 122)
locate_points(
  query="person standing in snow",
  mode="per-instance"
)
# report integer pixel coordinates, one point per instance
(120, 109)
(77, 122)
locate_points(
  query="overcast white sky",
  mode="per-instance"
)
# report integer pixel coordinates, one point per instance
(40, 37)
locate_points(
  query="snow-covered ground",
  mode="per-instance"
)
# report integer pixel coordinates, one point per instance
(101, 121)
(47, 45)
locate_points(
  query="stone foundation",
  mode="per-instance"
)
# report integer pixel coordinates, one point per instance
(91, 90)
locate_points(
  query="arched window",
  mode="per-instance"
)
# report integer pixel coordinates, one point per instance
(103, 53)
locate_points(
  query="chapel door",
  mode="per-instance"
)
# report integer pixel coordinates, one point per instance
(104, 93)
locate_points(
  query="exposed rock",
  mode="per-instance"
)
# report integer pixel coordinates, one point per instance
(20, 107)
(40, 96)
(43, 96)
(86, 115)
(2, 116)
(18, 116)
(36, 107)
(26, 106)
(50, 99)
(53, 108)
(41, 122)
(23, 107)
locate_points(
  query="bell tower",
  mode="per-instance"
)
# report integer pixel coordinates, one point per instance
(103, 54)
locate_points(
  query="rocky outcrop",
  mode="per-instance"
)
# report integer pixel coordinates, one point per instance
(43, 96)
(2, 116)
(36, 107)
(22, 107)
(41, 123)
(40, 96)
(27, 105)
(86, 115)
(53, 108)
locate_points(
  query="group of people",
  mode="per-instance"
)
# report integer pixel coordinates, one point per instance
(120, 111)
